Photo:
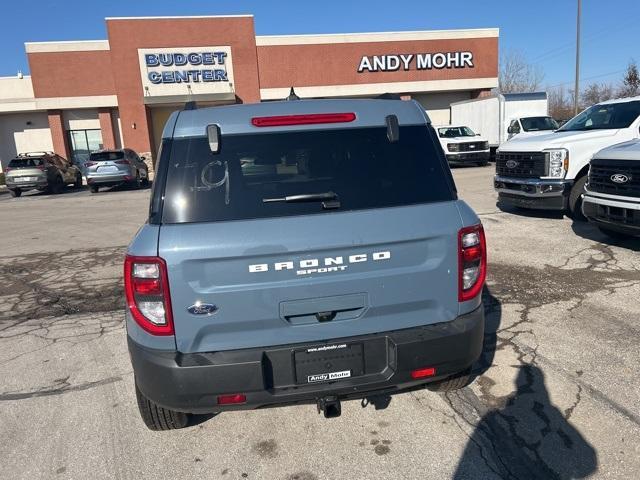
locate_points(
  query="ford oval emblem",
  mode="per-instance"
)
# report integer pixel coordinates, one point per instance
(511, 164)
(202, 309)
(619, 178)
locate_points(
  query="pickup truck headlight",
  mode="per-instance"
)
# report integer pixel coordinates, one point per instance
(485, 145)
(453, 147)
(558, 162)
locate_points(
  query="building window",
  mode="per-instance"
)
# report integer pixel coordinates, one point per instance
(82, 143)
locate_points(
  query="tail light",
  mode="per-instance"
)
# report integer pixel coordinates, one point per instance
(423, 372)
(146, 288)
(7, 170)
(89, 164)
(41, 167)
(123, 162)
(305, 119)
(472, 262)
(234, 399)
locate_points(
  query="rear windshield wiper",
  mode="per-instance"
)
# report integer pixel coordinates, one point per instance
(328, 199)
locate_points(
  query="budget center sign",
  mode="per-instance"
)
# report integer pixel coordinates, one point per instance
(186, 71)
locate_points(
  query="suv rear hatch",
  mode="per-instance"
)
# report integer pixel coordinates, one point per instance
(26, 169)
(377, 251)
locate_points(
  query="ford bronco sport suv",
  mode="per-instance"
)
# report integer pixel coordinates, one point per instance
(304, 251)
(44, 171)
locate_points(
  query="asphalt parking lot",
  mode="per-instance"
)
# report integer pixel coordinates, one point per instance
(556, 394)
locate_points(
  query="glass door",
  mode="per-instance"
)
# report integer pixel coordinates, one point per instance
(82, 143)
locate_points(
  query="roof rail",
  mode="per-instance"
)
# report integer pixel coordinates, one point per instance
(35, 154)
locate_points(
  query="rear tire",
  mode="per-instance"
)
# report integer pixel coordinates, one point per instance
(145, 180)
(136, 182)
(452, 383)
(157, 418)
(93, 188)
(575, 199)
(78, 182)
(15, 192)
(615, 234)
(57, 186)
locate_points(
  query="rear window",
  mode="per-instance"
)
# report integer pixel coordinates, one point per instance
(106, 156)
(360, 166)
(26, 162)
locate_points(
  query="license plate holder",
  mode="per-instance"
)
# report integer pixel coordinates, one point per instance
(328, 363)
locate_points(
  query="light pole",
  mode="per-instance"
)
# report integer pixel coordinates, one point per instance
(576, 91)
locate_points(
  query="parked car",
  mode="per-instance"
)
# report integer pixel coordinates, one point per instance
(44, 171)
(305, 251)
(612, 193)
(549, 171)
(531, 126)
(106, 168)
(463, 145)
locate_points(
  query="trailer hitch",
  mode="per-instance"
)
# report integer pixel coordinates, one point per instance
(329, 406)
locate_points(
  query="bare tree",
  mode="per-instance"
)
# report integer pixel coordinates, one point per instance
(631, 82)
(596, 93)
(517, 75)
(560, 102)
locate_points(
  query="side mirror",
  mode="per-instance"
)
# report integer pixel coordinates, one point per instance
(213, 134)
(477, 134)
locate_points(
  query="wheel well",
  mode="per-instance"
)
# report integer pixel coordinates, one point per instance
(584, 171)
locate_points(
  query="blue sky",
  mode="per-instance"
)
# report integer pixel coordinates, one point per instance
(544, 30)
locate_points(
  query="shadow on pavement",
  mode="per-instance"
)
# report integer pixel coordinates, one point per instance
(527, 437)
(492, 318)
(529, 213)
(590, 232)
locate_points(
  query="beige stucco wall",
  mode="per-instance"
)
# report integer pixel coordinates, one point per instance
(81, 119)
(437, 104)
(18, 137)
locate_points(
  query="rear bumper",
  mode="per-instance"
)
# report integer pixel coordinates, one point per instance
(534, 193)
(102, 179)
(618, 215)
(468, 157)
(192, 382)
(40, 184)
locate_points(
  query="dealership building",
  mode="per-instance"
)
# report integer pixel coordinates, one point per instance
(86, 95)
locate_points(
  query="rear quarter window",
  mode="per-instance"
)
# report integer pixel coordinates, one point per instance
(359, 165)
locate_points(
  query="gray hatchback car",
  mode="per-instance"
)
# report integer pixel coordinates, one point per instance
(107, 168)
(308, 251)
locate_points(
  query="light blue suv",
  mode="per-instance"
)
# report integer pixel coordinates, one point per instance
(306, 251)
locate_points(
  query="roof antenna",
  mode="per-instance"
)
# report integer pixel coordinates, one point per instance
(292, 95)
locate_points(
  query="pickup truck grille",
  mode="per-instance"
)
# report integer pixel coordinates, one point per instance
(603, 172)
(471, 146)
(521, 164)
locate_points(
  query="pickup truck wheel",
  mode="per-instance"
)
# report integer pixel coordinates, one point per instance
(78, 182)
(614, 234)
(15, 192)
(157, 418)
(575, 199)
(452, 383)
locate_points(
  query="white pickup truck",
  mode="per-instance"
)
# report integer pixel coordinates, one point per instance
(463, 145)
(612, 195)
(549, 171)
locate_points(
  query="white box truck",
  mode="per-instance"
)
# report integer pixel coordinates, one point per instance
(500, 117)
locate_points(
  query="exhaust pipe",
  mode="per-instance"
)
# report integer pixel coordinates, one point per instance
(330, 407)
